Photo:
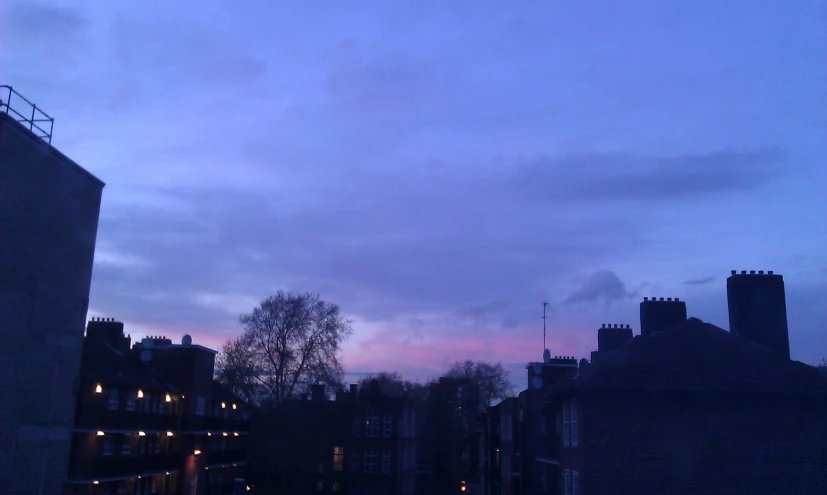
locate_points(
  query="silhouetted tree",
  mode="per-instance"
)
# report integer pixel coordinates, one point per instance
(492, 379)
(822, 366)
(392, 384)
(290, 342)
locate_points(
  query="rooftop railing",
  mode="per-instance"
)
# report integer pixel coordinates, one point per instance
(26, 112)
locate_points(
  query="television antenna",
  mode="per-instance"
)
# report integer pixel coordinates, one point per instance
(544, 324)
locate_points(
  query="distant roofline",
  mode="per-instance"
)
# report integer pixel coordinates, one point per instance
(20, 128)
(139, 345)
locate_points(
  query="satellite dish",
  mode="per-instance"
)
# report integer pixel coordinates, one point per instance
(536, 382)
(546, 356)
(146, 355)
(187, 340)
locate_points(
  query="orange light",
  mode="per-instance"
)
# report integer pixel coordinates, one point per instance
(197, 452)
(140, 394)
(234, 406)
(235, 434)
(209, 434)
(95, 482)
(225, 433)
(223, 405)
(100, 433)
(169, 433)
(141, 434)
(168, 398)
(98, 389)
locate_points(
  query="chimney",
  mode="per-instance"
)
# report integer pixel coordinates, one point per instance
(101, 331)
(657, 315)
(610, 338)
(317, 392)
(758, 310)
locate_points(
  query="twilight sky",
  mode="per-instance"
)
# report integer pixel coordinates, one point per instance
(438, 169)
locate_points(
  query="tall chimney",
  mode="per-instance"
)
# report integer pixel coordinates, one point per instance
(657, 315)
(758, 310)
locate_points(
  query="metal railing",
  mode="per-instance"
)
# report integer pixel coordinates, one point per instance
(34, 121)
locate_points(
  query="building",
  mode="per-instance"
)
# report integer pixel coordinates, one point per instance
(48, 229)
(448, 444)
(363, 442)
(151, 419)
(687, 407)
(502, 448)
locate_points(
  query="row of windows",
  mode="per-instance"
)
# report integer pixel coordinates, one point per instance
(135, 444)
(571, 482)
(371, 461)
(372, 425)
(138, 401)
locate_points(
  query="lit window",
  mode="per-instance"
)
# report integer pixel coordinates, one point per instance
(113, 399)
(387, 426)
(167, 398)
(371, 460)
(200, 405)
(140, 394)
(338, 458)
(372, 423)
(98, 389)
(386, 461)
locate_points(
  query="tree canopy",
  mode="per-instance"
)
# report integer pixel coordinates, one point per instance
(492, 379)
(290, 341)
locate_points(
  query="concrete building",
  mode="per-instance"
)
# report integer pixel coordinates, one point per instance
(49, 209)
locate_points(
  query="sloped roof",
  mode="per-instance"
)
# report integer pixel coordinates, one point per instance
(110, 367)
(695, 356)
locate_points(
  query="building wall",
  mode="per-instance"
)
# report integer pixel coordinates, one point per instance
(49, 210)
(712, 445)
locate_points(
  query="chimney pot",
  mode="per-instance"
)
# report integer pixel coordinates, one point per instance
(669, 299)
(752, 272)
(645, 298)
(769, 272)
(743, 272)
(661, 299)
(676, 299)
(734, 272)
(760, 272)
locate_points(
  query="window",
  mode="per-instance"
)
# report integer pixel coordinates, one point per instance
(147, 404)
(141, 445)
(107, 445)
(126, 446)
(356, 461)
(357, 426)
(338, 458)
(200, 405)
(337, 486)
(387, 426)
(575, 483)
(154, 485)
(320, 486)
(130, 402)
(320, 468)
(371, 460)
(372, 424)
(567, 481)
(575, 436)
(113, 399)
(386, 461)
(566, 424)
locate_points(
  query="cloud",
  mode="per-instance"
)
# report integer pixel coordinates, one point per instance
(700, 281)
(627, 177)
(602, 285)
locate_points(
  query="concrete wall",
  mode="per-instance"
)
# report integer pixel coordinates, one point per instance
(49, 209)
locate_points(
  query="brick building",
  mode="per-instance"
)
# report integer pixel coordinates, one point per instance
(501, 444)
(151, 419)
(363, 442)
(687, 407)
(49, 209)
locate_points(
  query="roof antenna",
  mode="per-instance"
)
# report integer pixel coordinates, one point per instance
(544, 325)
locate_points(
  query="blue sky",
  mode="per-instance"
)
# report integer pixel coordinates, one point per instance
(439, 169)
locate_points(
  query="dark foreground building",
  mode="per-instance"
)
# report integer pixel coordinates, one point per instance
(150, 419)
(361, 443)
(49, 209)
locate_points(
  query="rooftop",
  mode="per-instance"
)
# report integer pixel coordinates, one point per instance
(696, 356)
(25, 112)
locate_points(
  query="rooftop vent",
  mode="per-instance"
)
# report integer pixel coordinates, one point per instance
(25, 112)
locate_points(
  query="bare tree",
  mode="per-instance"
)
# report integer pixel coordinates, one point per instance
(492, 379)
(392, 384)
(237, 371)
(290, 342)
